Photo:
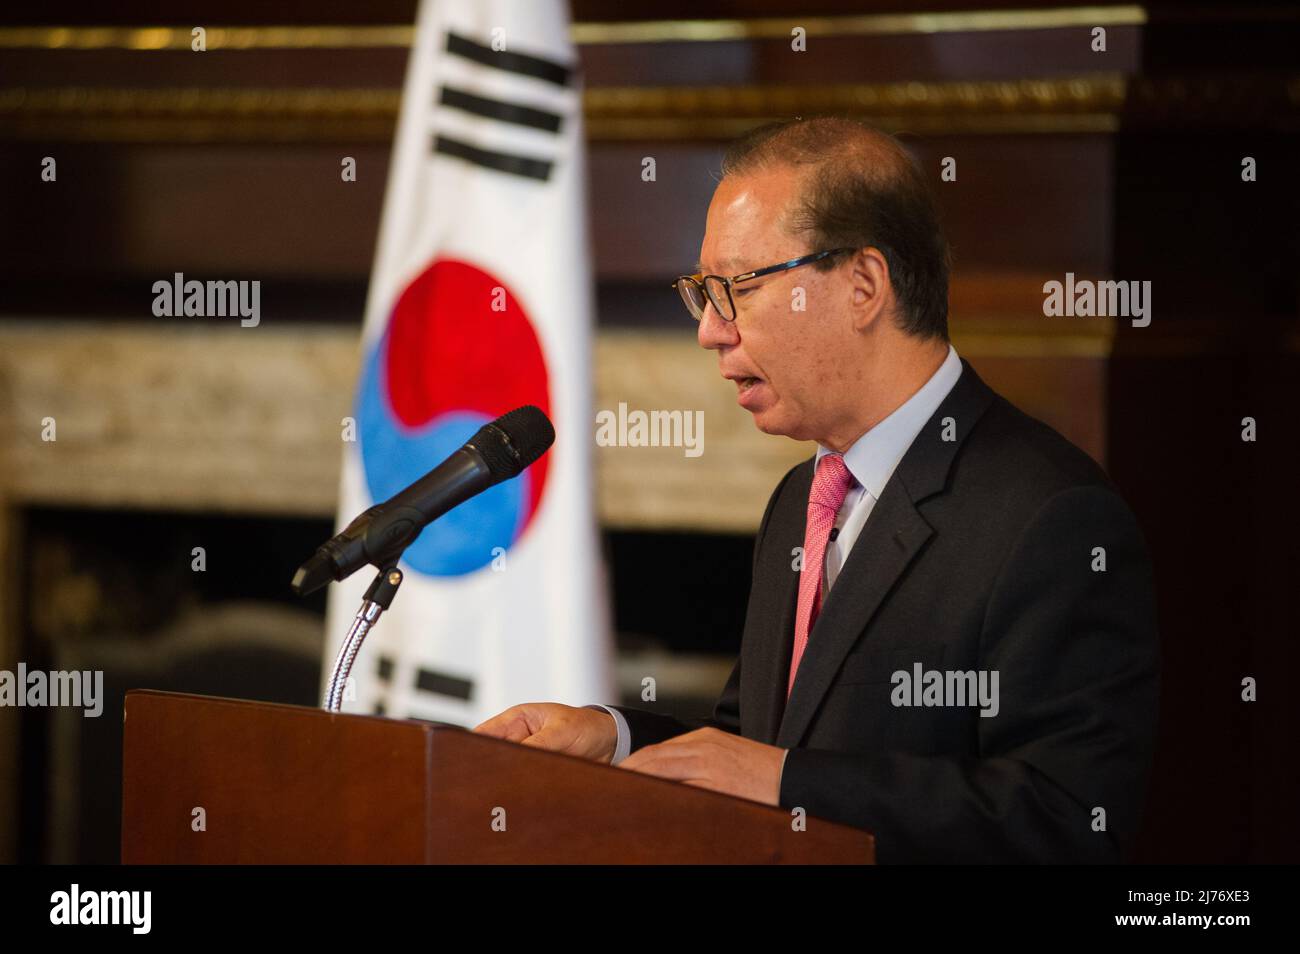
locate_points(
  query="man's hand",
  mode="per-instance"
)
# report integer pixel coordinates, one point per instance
(586, 733)
(717, 760)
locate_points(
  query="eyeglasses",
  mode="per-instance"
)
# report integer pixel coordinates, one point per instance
(699, 291)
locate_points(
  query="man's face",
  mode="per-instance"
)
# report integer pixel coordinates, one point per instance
(788, 365)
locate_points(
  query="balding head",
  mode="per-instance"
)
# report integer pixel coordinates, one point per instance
(859, 188)
(826, 349)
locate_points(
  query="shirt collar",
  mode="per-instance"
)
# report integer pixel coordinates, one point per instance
(874, 456)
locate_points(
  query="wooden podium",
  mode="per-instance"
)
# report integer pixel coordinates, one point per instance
(281, 784)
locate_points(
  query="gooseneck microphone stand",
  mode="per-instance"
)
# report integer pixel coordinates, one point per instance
(377, 599)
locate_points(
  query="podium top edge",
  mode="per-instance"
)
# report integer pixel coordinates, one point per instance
(162, 694)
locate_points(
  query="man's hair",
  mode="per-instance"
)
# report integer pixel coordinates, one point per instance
(862, 189)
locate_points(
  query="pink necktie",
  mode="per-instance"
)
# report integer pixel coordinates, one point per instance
(829, 487)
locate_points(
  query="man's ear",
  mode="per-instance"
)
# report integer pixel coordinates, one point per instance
(871, 288)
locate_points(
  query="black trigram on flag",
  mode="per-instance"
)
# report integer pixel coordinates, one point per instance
(424, 680)
(456, 96)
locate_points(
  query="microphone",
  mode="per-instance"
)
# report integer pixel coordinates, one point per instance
(499, 451)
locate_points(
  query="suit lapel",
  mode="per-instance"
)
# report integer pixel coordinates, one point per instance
(890, 540)
(893, 536)
(769, 624)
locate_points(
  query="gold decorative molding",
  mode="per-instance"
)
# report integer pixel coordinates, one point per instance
(1073, 104)
(155, 39)
(381, 36)
(1034, 337)
(1095, 103)
(235, 38)
(285, 114)
(878, 24)
(1087, 104)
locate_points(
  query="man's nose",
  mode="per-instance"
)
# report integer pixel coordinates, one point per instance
(715, 333)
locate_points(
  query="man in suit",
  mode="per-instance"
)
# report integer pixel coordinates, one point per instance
(950, 639)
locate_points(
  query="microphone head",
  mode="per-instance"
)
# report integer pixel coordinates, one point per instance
(313, 574)
(513, 441)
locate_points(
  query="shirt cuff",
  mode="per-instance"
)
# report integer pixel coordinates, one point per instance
(623, 748)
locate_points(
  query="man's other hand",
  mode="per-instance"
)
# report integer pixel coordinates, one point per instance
(716, 760)
(586, 733)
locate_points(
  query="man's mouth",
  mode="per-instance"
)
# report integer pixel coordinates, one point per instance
(744, 384)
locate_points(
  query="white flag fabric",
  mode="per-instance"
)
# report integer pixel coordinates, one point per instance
(481, 302)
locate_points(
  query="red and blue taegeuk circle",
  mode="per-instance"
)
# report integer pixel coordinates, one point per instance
(447, 363)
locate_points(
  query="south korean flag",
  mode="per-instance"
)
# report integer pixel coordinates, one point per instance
(480, 302)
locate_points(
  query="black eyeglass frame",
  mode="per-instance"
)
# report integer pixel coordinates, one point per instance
(701, 281)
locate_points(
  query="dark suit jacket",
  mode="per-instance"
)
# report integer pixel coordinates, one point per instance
(979, 555)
